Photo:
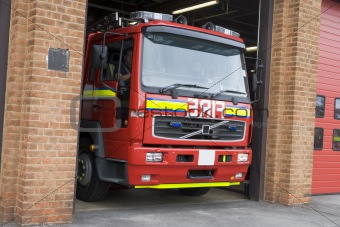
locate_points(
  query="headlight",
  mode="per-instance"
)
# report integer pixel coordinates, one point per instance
(154, 157)
(238, 175)
(242, 157)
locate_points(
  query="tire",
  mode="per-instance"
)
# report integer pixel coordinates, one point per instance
(89, 187)
(193, 191)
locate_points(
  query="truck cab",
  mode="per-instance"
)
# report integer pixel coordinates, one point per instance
(165, 105)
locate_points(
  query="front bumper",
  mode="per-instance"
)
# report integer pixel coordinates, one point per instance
(200, 168)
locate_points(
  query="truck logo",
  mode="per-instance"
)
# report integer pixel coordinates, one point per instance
(205, 130)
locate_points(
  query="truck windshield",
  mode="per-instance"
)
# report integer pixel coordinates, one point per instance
(173, 59)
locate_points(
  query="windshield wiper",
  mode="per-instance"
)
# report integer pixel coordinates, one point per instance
(230, 91)
(174, 86)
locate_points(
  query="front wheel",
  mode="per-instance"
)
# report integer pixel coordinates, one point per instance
(193, 191)
(89, 186)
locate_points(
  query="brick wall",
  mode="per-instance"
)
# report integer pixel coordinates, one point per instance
(39, 145)
(292, 101)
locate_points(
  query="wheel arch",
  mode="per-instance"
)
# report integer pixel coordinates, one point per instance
(92, 129)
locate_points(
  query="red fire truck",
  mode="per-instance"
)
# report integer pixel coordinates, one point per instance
(180, 118)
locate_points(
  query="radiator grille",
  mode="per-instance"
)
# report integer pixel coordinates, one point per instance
(198, 128)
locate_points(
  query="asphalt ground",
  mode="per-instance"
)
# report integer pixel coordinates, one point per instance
(146, 207)
(232, 209)
(217, 208)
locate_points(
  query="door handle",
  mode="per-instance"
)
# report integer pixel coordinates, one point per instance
(95, 107)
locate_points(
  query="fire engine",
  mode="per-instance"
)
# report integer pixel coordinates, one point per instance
(165, 105)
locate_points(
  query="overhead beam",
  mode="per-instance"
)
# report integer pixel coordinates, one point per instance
(108, 8)
(246, 9)
(240, 22)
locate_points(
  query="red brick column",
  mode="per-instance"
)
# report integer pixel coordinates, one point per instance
(292, 101)
(39, 144)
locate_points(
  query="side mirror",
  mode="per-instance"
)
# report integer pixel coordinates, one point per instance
(99, 56)
(254, 82)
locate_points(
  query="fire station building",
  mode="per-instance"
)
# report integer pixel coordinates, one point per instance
(296, 141)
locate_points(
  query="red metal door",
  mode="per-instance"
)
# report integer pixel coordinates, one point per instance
(326, 163)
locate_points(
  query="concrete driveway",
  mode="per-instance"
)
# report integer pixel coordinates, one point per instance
(135, 208)
(135, 198)
(218, 208)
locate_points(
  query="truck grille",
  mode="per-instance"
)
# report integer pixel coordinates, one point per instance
(198, 128)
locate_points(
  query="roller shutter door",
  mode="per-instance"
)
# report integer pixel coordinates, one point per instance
(326, 163)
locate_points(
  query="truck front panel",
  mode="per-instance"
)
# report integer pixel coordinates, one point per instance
(187, 165)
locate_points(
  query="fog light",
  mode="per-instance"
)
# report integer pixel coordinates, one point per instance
(242, 157)
(238, 175)
(154, 157)
(146, 177)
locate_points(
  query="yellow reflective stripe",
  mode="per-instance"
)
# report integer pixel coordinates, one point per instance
(87, 93)
(104, 93)
(189, 185)
(99, 93)
(164, 104)
(236, 111)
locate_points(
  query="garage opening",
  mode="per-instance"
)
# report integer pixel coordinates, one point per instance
(238, 16)
(4, 37)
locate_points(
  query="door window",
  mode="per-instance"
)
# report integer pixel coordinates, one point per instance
(119, 69)
(320, 106)
(337, 108)
(318, 138)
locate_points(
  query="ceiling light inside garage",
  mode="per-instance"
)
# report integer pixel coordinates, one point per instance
(199, 6)
(251, 49)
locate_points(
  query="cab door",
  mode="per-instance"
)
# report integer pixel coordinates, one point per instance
(105, 91)
(109, 106)
(91, 69)
(104, 103)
